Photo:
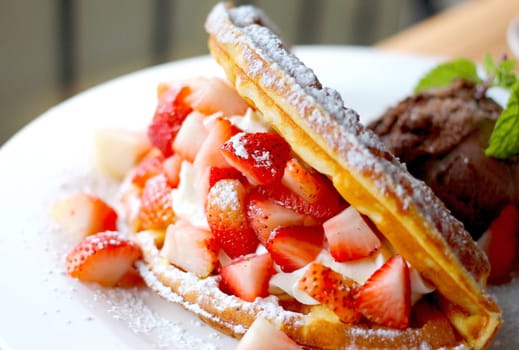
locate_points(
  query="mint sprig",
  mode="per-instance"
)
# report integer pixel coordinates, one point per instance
(444, 74)
(501, 74)
(504, 141)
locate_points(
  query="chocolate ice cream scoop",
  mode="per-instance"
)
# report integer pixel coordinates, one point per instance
(441, 135)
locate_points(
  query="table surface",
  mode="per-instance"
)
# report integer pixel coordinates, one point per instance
(470, 29)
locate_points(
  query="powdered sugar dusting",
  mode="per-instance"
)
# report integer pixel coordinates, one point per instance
(238, 145)
(337, 127)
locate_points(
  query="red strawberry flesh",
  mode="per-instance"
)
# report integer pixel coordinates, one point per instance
(260, 156)
(332, 290)
(385, 298)
(248, 276)
(227, 219)
(103, 258)
(294, 247)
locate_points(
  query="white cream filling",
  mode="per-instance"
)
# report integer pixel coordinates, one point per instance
(188, 203)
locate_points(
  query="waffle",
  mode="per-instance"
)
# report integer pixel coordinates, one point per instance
(330, 138)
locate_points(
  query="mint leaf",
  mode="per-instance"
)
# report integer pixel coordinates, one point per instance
(444, 74)
(504, 141)
(503, 73)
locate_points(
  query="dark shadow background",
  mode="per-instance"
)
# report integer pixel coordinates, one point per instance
(53, 49)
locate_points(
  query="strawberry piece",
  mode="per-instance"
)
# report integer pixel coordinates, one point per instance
(385, 298)
(248, 276)
(326, 201)
(147, 168)
(301, 180)
(294, 247)
(191, 249)
(260, 156)
(156, 209)
(209, 154)
(262, 335)
(103, 258)
(169, 115)
(349, 236)
(216, 174)
(500, 244)
(84, 214)
(171, 167)
(190, 136)
(226, 216)
(264, 215)
(332, 290)
(215, 95)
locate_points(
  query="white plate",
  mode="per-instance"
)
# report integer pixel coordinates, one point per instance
(42, 308)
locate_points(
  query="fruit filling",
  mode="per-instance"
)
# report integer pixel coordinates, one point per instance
(231, 199)
(225, 196)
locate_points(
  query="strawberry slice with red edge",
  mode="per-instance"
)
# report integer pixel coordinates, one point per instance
(191, 248)
(260, 156)
(265, 215)
(332, 290)
(294, 247)
(350, 236)
(500, 244)
(156, 207)
(385, 298)
(216, 174)
(225, 208)
(83, 214)
(248, 276)
(147, 168)
(103, 258)
(169, 115)
(306, 191)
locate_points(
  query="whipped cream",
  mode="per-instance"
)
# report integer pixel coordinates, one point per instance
(188, 203)
(250, 122)
(359, 270)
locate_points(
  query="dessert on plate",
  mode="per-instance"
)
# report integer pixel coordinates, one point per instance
(263, 205)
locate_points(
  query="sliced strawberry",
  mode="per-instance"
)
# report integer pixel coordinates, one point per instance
(327, 202)
(169, 115)
(209, 154)
(191, 249)
(265, 215)
(83, 214)
(227, 219)
(500, 244)
(216, 174)
(213, 95)
(103, 258)
(349, 236)
(385, 298)
(260, 156)
(147, 168)
(302, 181)
(294, 247)
(332, 290)
(262, 335)
(156, 208)
(190, 136)
(248, 276)
(171, 167)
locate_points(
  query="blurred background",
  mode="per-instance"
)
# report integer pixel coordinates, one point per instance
(53, 49)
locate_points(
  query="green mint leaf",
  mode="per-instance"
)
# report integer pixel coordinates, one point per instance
(444, 74)
(504, 141)
(502, 74)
